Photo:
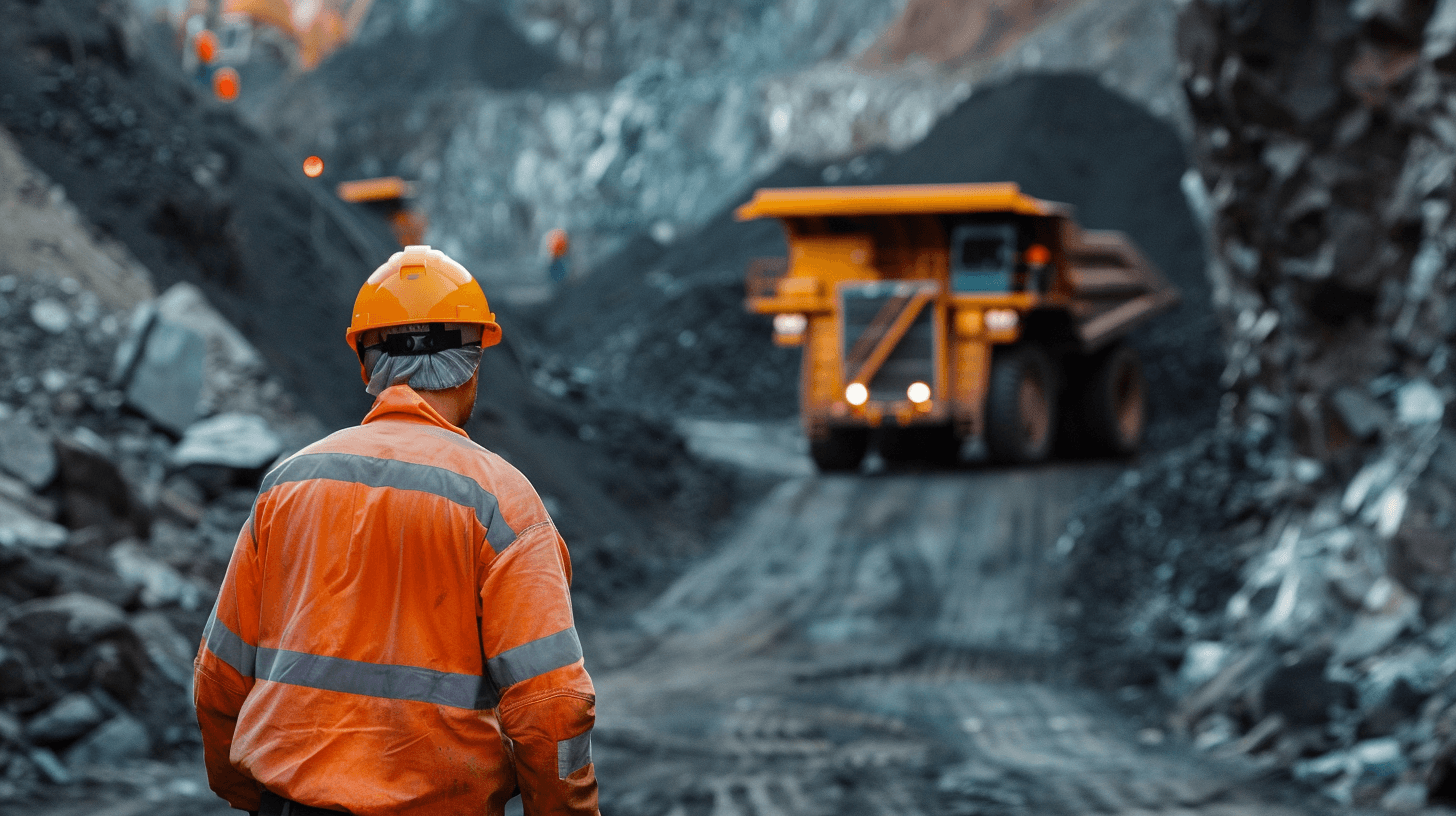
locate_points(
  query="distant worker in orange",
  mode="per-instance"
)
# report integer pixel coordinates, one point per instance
(394, 634)
(557, 246)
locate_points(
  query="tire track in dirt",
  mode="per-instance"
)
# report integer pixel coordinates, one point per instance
(887, 644)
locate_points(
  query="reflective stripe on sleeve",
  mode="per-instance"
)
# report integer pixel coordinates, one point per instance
(535, 658)
(375, 679)
(374, 472)
(573, 754)
(229, 647)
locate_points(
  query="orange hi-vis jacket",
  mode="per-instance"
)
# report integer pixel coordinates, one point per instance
(395, 633)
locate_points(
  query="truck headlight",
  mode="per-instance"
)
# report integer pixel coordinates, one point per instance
(999, 320)
(918, 392)
(856, 394)
(790, 323)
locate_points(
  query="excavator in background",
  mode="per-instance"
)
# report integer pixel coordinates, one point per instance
(938, 313)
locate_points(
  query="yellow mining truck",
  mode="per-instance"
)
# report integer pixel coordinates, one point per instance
(938, 313)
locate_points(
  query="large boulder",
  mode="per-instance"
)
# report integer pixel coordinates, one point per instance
(233, 440)
(162, 370)
(66, 620)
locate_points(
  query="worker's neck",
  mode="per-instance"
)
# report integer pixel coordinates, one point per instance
(454, 404)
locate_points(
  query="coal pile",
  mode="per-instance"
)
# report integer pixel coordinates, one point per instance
(1288, 581)
(97, 101)
(660, 328)
(131, 445)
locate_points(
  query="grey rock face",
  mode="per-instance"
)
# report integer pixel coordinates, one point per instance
(1326, 165)
(13, 678)
(93, 489)
(71, 620)
(18, 528)
(72, 716)
(241, 441)
(120, 740)
(170, 652)
(25, 453)
(160, 584)
(166, 382)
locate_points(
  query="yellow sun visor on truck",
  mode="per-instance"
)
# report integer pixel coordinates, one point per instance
(375, 189)
(795, 202)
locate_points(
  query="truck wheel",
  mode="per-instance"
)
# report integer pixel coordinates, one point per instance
(1021, 406)
(1110, 403)
(841, 450)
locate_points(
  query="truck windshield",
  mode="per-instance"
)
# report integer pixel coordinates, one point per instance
(978, 253)
(983, 257)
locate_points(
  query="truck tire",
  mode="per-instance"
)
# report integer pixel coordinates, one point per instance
(1109, 403)
(842, 449)
(1021, 406)
(935, 445)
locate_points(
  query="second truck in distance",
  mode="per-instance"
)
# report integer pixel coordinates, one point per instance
(937, 313)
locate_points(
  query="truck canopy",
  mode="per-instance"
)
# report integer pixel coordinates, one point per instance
(916, 199)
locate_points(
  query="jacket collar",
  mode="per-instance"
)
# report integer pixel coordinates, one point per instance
(400, 402)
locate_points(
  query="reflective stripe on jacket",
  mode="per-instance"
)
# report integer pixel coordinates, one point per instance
(395, 633)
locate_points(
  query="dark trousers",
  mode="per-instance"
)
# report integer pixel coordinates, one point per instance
(275, 805)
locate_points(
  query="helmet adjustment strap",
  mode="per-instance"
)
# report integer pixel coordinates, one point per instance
(410, 344)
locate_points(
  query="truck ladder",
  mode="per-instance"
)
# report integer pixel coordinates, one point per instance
(909, 308)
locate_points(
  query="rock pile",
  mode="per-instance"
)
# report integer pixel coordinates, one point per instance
(1316, 628)
(130, 449)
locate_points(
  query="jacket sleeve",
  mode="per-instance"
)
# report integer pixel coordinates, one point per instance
(223, 673)
(547, 703)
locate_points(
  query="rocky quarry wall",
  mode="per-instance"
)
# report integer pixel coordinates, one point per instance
(1288, 579)
(632, 118)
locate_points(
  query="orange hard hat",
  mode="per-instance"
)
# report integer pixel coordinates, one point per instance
(420, 285)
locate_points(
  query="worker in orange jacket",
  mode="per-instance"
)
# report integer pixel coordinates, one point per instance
(395, 631)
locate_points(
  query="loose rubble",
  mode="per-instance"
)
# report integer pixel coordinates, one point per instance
(1286, 581)
(118, 509)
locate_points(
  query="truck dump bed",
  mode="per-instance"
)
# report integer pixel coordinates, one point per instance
(1113, 287)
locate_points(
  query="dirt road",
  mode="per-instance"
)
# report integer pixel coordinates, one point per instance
(885, 645)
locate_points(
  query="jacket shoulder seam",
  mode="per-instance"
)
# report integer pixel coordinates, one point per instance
(542, 696)
(201, 668)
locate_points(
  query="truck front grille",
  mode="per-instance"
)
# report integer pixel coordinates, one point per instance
(867, 311)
